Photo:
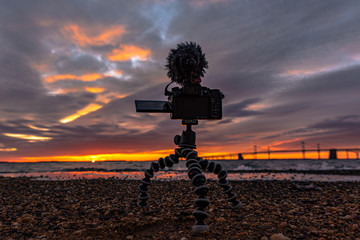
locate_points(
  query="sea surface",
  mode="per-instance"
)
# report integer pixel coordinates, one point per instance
(282, 169)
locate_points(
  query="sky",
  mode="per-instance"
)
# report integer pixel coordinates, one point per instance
(71, 70)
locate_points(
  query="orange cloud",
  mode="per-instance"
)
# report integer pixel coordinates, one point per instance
(256, 106)
(8, 149)
(85, 78)
(142, 156)
(277, 143)
(32, 138)
(94, 89)
(126, 52)
(72, 90)
(109, 97)
(313, 70)
(81, 36)
(55, 78)
(38, 128)
(297, 155)
(303, 72)
(90, 77)
(90, 108)
(100, 157)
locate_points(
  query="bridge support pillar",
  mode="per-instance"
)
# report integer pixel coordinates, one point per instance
(240, 157)
(333, 154)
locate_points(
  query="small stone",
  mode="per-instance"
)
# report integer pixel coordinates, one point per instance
(266, 225)
(129, 237)
(183, 238)
(293, 227)
(347, 217)
(221, 219)
(264, 238)
(241, 234)
(300, 236)
(283, 225)
(279, 236)
(291, 212)
(79, 231)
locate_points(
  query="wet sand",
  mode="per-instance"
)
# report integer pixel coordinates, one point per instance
(106, 209)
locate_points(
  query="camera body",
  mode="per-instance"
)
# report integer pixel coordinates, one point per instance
(190, 102)
(193, 101)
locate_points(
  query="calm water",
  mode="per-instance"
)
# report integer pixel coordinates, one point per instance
(133, 170)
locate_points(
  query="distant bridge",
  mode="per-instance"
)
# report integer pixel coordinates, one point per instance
(333, 154)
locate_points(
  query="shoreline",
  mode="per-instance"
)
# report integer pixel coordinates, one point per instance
(106, 208)
(327, 171)
(174, 175)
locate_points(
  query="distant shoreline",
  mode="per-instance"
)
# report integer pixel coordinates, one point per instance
(318, 170)
(237, 160)
(355, 172)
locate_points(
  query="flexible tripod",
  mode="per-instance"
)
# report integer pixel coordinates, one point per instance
(195, 165)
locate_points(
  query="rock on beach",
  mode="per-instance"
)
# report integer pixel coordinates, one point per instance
(279, 236)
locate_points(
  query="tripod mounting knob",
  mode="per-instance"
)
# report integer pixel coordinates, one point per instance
(189, 122)
(177, 139)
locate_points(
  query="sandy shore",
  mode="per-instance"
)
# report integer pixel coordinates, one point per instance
(106, 209)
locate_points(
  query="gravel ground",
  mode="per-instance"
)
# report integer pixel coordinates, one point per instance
(106, 209)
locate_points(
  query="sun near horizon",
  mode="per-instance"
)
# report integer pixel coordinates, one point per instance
(153, 156)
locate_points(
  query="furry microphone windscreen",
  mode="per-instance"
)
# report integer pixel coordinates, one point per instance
(186, 62)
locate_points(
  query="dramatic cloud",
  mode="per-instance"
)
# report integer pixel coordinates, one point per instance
(70, 72)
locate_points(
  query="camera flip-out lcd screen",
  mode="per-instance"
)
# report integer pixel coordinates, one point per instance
(152, 106)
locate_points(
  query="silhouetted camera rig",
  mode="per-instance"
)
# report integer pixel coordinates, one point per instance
(186, 65)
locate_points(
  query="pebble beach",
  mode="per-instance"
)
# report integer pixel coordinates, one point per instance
(107, 209)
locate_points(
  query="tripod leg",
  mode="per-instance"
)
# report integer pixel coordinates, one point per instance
(198, 180)
(222, 174)
(169, 161)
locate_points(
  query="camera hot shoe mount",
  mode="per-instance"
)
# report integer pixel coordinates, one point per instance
(195, 165)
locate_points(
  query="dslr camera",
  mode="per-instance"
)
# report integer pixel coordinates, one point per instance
(186, 65)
